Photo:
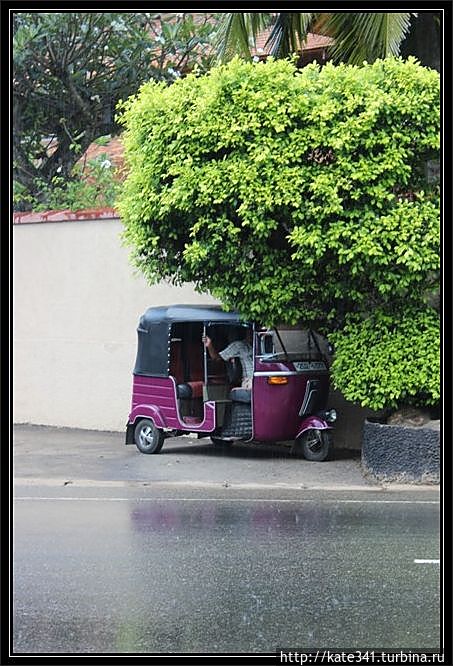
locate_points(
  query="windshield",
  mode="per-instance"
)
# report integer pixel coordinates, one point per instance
(292, 345)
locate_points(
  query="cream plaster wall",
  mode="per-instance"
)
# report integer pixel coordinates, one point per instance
(76, 306)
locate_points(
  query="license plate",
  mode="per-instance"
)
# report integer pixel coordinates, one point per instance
(303, 366)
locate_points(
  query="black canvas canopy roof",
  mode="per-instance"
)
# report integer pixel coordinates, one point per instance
(180, 313)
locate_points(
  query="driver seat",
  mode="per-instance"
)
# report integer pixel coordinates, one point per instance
(234, 371)
(237, 393)
(240, 394)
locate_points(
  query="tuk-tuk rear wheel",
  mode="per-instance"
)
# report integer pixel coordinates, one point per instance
(148, 438)
(316, 445)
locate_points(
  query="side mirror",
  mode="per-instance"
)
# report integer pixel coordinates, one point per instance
(267, 344)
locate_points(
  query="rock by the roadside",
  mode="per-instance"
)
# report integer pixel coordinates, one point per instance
(409, 416)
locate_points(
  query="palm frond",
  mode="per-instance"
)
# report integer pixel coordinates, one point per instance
(358, 36)
(365, 36)
(394, 28)
(237, 32)
(289, 32)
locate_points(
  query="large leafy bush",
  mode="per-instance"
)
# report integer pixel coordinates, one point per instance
(389, 359)
(294, 196)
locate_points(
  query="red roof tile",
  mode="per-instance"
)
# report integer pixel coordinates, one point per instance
(313, 41)
(113, 149)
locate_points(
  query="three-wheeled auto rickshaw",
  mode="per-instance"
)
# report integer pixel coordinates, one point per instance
(178, 388)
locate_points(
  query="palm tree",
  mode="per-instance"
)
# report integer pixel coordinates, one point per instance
(357, 36)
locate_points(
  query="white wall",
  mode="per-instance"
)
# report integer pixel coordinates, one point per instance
(76, 307)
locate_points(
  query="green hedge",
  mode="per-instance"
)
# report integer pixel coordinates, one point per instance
(389, 360)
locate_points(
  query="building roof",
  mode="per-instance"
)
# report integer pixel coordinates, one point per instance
(312, 42)
(113, 149)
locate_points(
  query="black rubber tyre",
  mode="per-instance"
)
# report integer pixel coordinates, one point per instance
(221, 443)
(148, 438)
(315, 445)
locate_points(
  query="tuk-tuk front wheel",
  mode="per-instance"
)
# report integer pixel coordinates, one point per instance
(148, 438)
(316, 445)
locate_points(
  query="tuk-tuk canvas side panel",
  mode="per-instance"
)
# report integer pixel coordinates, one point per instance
(152, 350)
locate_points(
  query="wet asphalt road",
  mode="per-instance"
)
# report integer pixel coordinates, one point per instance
(116, 566)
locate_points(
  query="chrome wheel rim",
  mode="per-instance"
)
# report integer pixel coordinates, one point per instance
(146, 436)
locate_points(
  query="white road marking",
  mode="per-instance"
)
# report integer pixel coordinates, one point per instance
(219, 499)
(427, 561)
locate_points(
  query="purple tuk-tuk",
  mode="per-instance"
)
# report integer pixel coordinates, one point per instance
(178, 388)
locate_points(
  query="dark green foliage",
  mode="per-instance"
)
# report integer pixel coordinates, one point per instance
(69, 72)
(94, 185)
